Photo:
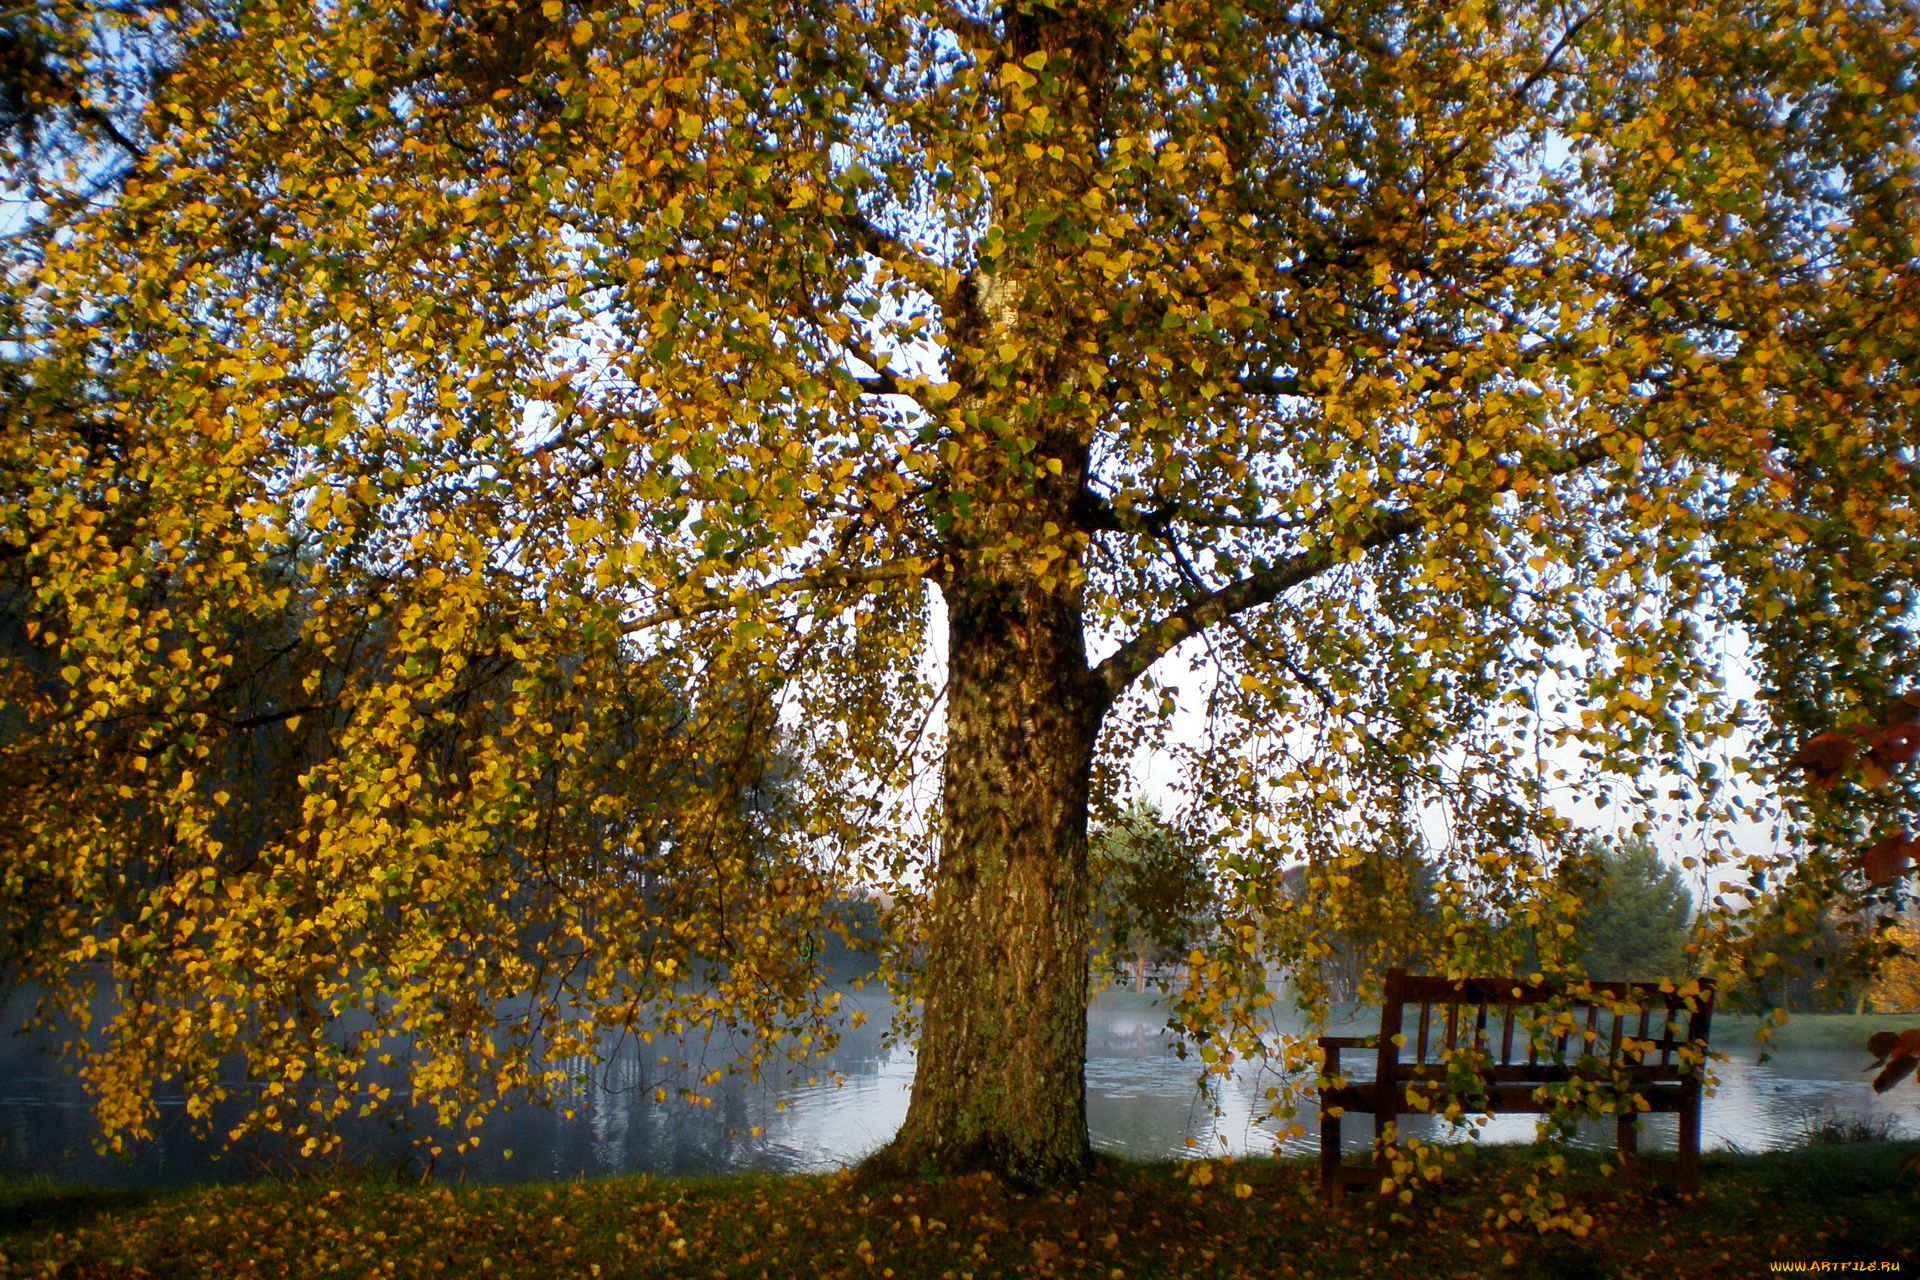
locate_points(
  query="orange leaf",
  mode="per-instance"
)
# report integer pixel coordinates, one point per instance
(1896, 1043)
(1896, 1071)
(1881, 1044)
(1824, 755)
(1896, 744)
(1889, 858)
(1903, 1047)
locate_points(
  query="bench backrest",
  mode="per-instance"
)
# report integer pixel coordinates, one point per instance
(1514, 1030)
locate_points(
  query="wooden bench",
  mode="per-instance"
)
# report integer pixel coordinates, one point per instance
(1494, 1045)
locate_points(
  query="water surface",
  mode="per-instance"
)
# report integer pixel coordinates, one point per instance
(1142, 1101)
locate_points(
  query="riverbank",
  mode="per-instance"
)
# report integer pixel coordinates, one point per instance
(1810, 1031)
(1801, 1031)
(1252, 1218)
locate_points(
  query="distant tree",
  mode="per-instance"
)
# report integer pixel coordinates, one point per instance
(1154, 899)
(1636, 918)
(1636, 925)
(1897, 989)
(1820, 960)
(1362, 915)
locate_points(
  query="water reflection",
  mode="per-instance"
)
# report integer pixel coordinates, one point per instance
(1142, 1101)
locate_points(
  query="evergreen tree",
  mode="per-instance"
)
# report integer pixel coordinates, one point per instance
(1153, 895)
(1636, 924)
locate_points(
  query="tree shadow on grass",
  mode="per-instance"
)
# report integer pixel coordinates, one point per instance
(35, 1206)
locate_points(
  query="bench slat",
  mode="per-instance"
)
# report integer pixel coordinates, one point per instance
(1549, 1073)
(1364, 1099)
(1506, 991)
(1347, 1042)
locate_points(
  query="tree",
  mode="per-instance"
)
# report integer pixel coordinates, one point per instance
(1447, 382)
(1153, 895)
(1386, 917)
(1634, 924)
(1897, 989)
(1822, 960)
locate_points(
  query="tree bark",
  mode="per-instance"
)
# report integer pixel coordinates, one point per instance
(1001, 1075)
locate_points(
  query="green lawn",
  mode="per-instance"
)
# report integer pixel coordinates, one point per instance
(1253, 1218)
(1730, 1030)
(1812, 1030)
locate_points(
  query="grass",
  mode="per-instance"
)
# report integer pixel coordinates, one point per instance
(1252, 1218)
(1830, 1127)
(1846, 1031)
(1842, 1031)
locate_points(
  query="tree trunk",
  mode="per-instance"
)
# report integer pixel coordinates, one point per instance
(1000, 1083)
(1001, 1077)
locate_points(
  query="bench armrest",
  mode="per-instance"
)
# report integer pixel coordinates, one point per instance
(1349, 1042)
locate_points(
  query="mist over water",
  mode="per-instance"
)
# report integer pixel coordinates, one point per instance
(1143, 1101)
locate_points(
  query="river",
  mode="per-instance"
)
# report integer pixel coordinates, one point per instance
(1142, 1102)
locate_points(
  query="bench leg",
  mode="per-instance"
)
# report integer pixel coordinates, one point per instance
(1689, 1153)
(1627, 1139)
(1330, 1157)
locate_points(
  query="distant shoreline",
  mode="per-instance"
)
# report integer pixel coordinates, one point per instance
(1730, 1030)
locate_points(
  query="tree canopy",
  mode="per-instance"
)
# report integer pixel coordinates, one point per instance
(532, 410)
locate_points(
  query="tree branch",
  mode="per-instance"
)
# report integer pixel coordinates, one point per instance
(972, 34)
(1122, 667)
(31, 75)
(1549, 64)
(881, 384)
(1328, 31)
(892, 571)
(1096, 514)
(1546, 68)
(1125, 665)
(275, 717)
(1267, 384)
(906, 258)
